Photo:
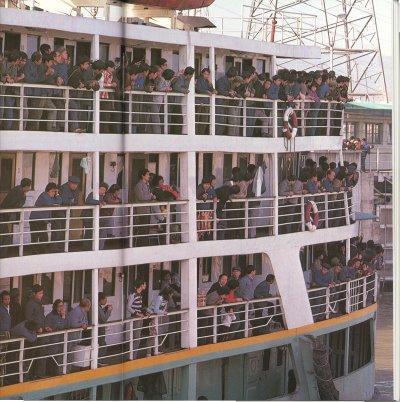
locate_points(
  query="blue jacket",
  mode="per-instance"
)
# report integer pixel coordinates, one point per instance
(44, 200)
(311, 187)
(222, 86)
(323, 280)
(69, 197)
(323, 91)
(262, 290)
(34, 74)
(328, 185)
(246, 288)
(20, 331)
(273, 92)
(5, 319)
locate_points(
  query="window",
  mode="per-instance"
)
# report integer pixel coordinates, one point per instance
(207, 165)
(175, 61)
(108, 278)
(258, 262)
(104, 51)
(229, 62)
(55, 167)
(205, 266)
(227, 169)
(174, 170)
(266, 359)
(28, 166)
(47, 281)
(82, 285)
(280, 355)
(101, 165)
(350, 129)
(32, 44)
(155, 56)
(337, 345)
(7, 164)
(12, 41)
(176, 267)
(260, 66)
(374, 133)
(389, 141)
(227, 265)
(58, 42)
(360, 345)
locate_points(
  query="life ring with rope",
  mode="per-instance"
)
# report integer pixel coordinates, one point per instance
(290, 123)
(311, 216)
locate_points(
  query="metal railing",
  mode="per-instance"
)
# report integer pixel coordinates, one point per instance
(33, 107)
(230, 321)
(257, 217)
(255, 117)
(239, 218)
(62, 352)
(343, 298)
(81, 228)
(335, 209)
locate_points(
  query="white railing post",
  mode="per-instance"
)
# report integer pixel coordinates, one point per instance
(168, 224)
(215, 221)
(129, 112)
(95, 319)
(328, 119)
(327, 304)
(131, 340)
(364, 288)
(303, 214)
(275, 119)
(96, 227)
(377, 159)
(246, 320)
(376, 286)
(156, 335)
(166, 113)
(212, 114)
(21, 234)
(346, 208)
(326, 210)
(244, 117)
(131, 211)
(21, 360)
(21, 108)
(303, 118)
(67, 226)
(348, 299)
(66, 111)
(215, 325)
(246, 219)
(65, 353)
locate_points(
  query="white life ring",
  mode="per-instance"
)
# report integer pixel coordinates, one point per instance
(311, 216)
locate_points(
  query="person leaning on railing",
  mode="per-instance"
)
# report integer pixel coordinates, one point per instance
(204, 87)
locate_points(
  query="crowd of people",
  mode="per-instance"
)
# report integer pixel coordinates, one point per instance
(239, 287)
(150, 187)
(286, 86)
(358, 144)
(44, 106)
(331, 268)
(314, 178)
(29, 320)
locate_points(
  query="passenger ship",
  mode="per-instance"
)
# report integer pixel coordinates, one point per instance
(281, 362)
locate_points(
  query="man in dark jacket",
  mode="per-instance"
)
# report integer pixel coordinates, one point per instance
(36, 72)
(5, 316)
(56, 320)
(77, 80)
(203, 87)
(15, 198)
(34, 311)
(69, 193)
(222, 110)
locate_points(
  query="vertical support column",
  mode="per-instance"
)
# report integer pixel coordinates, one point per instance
(96, 209)
(190, 100)
(328, 120)
(276, 194)
(275, 119)
(96, 94)
(211, 54)
(346, 351)
(95, 317)
(189, 381)
(347, 250)
(189, 302)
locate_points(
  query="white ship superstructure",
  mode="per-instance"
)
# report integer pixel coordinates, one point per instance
(274, 363)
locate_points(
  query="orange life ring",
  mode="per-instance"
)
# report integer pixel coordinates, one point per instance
(290, 123)
(311, 216)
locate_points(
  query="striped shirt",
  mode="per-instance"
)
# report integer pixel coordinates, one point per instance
(135, 303)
